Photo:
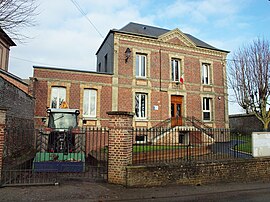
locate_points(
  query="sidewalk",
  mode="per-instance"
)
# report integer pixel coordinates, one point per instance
(90, 191)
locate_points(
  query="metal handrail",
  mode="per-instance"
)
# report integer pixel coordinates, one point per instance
(162, 124)
(197, 123)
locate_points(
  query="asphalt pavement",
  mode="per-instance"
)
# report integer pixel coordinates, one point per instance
(91, 191)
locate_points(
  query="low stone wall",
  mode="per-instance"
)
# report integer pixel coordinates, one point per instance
(240, 170)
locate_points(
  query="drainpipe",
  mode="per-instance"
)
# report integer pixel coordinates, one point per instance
(159, 69)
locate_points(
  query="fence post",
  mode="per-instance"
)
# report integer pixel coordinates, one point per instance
(2, 137)
(120, 146)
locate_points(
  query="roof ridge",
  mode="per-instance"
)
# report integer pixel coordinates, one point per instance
(152, 26)
(156, 32)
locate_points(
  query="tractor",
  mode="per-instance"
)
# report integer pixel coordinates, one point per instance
(61, 130)
(60, 145)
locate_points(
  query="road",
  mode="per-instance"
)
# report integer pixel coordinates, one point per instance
(89, 191)
(227, 148)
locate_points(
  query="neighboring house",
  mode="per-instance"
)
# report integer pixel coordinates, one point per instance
(5, 44)
(15, 80)
(16, 105)
(156, 73)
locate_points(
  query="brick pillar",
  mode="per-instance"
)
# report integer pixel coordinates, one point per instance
(120, 146)
(2, 136)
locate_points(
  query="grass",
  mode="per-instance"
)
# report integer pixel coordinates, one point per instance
(246, 145)
(147, 148)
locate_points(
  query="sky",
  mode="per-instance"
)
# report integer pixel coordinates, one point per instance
(64, 37)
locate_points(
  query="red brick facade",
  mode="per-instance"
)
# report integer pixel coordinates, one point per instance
(116, 90)
(74, 81)
(120, 146)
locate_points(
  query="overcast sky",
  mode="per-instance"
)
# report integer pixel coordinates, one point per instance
(65, 38)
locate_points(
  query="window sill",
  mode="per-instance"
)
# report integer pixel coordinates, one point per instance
(207, 121)
(141, 119)
(176, 82)
(207, 85)
(89, 118)
(141, 78)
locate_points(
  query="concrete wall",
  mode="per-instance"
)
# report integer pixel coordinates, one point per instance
(245, 124)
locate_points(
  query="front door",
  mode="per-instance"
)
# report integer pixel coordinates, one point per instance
(176, 110)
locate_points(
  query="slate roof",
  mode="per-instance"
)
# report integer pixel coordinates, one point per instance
(13, 76)
(155, 32)
(6, 38)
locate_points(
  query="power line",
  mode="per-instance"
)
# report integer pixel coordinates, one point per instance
(76, 4)
(85, 15)
(31, 61)
(40, 63)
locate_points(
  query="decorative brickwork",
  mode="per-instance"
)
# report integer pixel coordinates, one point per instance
(120, 146)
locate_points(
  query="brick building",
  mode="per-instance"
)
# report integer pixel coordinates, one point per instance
(5, 44)
(16, 104)
(156, 73)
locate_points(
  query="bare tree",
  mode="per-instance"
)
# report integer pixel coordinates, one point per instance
(249, 77)
(16, 14)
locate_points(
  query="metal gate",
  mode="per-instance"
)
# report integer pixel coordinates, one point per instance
(35, 157)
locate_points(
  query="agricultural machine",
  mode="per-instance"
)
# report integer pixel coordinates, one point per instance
(60, 145)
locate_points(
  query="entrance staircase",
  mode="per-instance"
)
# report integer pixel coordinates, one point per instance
(200, 132)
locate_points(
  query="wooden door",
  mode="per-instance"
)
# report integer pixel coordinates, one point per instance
(176, 110)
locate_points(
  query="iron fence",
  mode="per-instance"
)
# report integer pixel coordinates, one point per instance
(19, 152)
(46, 156)
(182, 144)
(73, 153)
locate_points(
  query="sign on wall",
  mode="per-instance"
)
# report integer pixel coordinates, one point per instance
(155, 107)
(260, 144)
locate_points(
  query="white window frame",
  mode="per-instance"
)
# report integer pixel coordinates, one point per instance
(89, 103)
(206, 79)
(140, 65)
(174, 69)
(58, 91)
(138, 105)
(207, 108)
